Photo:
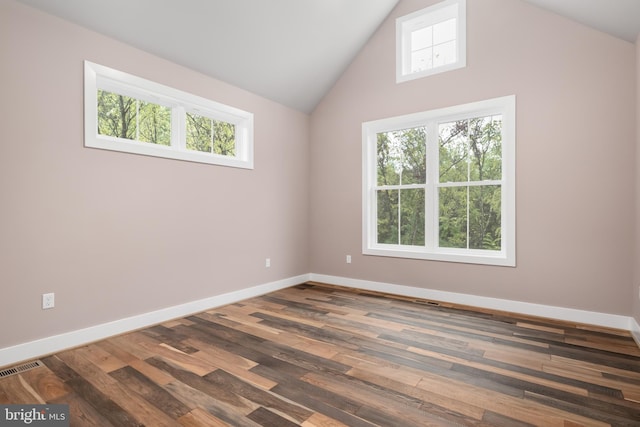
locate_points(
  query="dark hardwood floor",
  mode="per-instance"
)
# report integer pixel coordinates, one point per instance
(316, 355)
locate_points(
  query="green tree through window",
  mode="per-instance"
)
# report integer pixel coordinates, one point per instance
(401, 177)
(210, 136)
(470, 157)
(130, 118)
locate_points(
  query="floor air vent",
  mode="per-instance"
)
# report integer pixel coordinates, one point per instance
(427, 302)
(21, 368)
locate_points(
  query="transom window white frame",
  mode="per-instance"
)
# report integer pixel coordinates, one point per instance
(98, 77)
(430, 120)
(431, 40)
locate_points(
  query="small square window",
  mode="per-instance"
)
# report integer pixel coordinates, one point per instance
(431, 40)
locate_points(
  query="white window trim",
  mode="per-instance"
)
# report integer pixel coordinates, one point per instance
(507, 255)
(403, 45)
(100, 77)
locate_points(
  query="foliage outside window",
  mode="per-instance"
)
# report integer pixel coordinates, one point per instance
(440, 184)
(431, 40)
(130, 114)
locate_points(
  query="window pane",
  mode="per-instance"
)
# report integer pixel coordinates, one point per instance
(388, 216)
(154, 123)
(421, 38)
(413, 143)
(421, 60)
(444, 54)
(402, 157)
(485, 217)
(485, 139)
(444, 31)
(116, 115)
(453, 217)
(389, 159)
(453, 151)
(224, 141)
(412, 216)
(121, 116)
(199, 133)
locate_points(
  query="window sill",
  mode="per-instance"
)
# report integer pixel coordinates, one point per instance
(471, 256)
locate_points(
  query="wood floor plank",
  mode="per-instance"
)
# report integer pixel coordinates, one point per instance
(83, 414)
(220, 410)
(511, 373)
(90, 396)
(321, 420)
(628, 389)
(266, 418)
(102, 358)
(259, 329)
(500, 403)
(264, 398)
(384, 406)
(324, 356)
(135, 406)
(149, 390)
(45, 383)
(229, 364)
(430, 401)
(200, 384)
(201, 418)
(18, 391)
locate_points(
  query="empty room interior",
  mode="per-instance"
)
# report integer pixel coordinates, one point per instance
(321, 212)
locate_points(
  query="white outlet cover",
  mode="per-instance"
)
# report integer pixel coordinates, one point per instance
(48, 301)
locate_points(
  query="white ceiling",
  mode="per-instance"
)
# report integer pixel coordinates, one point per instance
(290, 51)
(620, 18)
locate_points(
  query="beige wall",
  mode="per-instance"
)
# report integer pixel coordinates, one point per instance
(114, 234)
(576, 137)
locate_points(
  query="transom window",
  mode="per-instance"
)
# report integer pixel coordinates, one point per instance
(431, 40)
(130, 114)
(440, 184)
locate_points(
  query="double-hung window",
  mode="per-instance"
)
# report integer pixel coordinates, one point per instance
(431, 40)
(440, 184)
(134, 115)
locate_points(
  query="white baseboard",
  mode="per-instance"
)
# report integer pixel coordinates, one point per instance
(635, 330)
(38, 348)
(552, 312)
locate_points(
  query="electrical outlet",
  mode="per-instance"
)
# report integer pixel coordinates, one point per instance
(48, 301)
(267, 262)
(348, 259)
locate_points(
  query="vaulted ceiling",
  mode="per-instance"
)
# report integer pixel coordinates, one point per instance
(290, 51)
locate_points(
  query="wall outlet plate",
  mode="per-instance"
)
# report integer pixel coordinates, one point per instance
(48, 301)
